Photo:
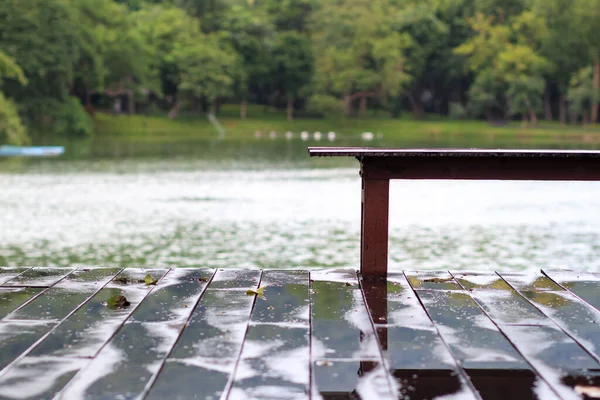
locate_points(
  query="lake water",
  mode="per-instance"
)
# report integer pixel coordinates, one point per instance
(264, 203)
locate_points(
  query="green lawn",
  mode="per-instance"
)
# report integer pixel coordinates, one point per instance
(266, 120)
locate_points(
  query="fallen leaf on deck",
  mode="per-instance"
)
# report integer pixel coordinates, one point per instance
(258, 292)
(589, 391)
(149, 281)
(324, 363)
(437, 280)
(203, 279)
(122, 279)
(348, 284)
(117, 301)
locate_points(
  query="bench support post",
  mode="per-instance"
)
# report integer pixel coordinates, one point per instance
(374, 227)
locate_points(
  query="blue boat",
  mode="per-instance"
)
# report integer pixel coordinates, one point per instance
(31, 151)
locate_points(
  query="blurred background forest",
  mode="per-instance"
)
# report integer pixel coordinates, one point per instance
(63, 61)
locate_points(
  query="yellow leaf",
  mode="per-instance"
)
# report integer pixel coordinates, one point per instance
(149, 281)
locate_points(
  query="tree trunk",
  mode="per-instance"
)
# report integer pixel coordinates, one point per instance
(417, 107)
(573, 118)
(547, 107)
(290, 108)
(594, 117)
(524, 120)
(347, 105)
(174, 111)
(213, 107)
(585, 118)
(243, 109)
(562, 109)
(363, 107)
(533, 117)
(488, 116)
(131, 101)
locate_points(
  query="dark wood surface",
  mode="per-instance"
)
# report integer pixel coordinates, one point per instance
(332, 334)
(430, 153)
(471, 164)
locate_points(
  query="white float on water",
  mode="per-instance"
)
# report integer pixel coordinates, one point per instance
(304, 135)
(272, 134)
(367, 135)
(289, 135)
(331, 136)
(317, 135)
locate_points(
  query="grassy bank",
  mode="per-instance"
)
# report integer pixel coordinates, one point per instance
(266, 120)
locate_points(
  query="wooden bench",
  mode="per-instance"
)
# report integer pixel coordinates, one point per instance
(378, 166)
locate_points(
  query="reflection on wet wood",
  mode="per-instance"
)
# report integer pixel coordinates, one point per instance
(343, 330)
(137, 351)
(203, 360)
(419, 360)
(39, 277)
(324, 334)
(276, 353)
(578, 319)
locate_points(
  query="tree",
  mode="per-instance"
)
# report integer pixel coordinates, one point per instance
(11, 127)
(42, 36)
(507, 65)
(252, 35)
(581, 94)
(357, 52)
(587, 16)
(293, 62)
(207, 69)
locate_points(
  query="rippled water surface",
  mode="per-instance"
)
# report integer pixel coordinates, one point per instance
(264, 203)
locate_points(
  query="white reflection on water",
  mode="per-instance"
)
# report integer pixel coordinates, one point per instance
(291, 218)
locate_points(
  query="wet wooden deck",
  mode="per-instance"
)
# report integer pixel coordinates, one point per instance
(200, 334)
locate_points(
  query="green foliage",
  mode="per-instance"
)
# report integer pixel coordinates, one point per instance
(457, 111)
(581, 94)
(70, 117)
(524, 94)
(293, 62)
(11, 129)
(324, 104)
(507, 66)
(207, 68)
(357, 49)
(323, 55)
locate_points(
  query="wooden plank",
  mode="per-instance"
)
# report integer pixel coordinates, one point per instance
(374, 227)
(275, 359)
(274, 363)
(203, 359)
(418, 358)
(472, 337)
(472, 163)
(81, 335)
(84, 333)
(8, 273)
(236, 279)
(39, 277)
(586, 286)
(14, 298)
(559, 359)
(578, 319)
(438, 280)
(133, 357)
(500, 301)
(60, 300)
(342, 332)
(285, 298)
(17, 336)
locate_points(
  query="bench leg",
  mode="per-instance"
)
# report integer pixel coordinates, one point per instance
(374, 227)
